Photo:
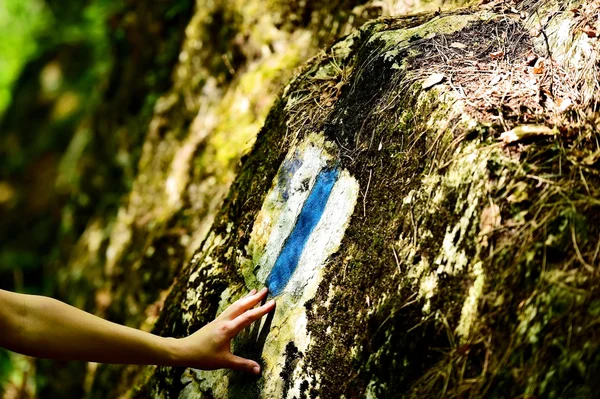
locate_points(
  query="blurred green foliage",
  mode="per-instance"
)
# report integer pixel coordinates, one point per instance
(54, 54)
(78, 83)
(29, 27)
(20, 23)
(55, 58)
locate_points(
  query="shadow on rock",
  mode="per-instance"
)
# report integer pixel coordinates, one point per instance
(250, 344)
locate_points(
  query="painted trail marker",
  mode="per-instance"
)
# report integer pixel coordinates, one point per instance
(303, 218)
(309, 217)
(300, 225)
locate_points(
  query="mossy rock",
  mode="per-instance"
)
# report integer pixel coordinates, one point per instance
(465, 265)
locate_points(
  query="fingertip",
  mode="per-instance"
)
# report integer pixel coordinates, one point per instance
(267, 307)
(245, 365)
(261, 293)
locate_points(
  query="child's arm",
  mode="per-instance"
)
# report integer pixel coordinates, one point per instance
(44, 327)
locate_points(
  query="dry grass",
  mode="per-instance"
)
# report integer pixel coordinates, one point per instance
(537, 334)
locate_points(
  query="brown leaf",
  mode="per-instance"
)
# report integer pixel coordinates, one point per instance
(590, 32)
(531, 59)
(497, 55)
(539, 67)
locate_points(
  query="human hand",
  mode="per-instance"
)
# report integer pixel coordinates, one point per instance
(210, 347)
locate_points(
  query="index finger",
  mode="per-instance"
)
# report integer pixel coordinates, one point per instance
(242, 305)
(250, 316)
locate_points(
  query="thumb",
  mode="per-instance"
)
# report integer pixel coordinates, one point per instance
(242, 364)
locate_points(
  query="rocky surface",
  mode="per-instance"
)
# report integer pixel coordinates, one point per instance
(468, 260)
(449, 161)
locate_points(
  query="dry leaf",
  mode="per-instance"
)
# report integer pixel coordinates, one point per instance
(458, 45)
(563, 105)
(535, 32)
(590, 32)
(539, 67)
(495, 80)
(433, 80)
(524, 132)
(497, 55)
(531, 59)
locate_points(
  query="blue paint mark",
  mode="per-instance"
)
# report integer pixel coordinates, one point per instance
(309, 217)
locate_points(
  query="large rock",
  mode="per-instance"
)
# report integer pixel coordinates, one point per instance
(422, 202)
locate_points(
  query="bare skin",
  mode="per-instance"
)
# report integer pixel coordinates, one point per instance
(43, 327)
